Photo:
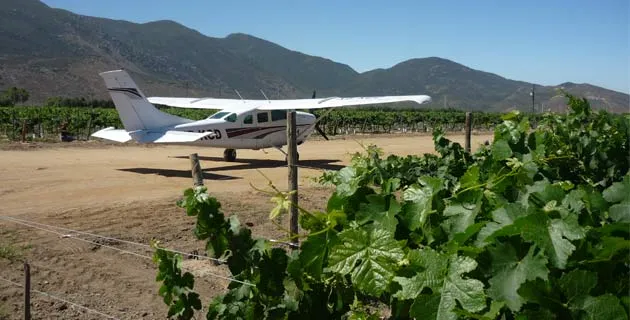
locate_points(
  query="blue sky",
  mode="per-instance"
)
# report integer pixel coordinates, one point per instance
(545, 42)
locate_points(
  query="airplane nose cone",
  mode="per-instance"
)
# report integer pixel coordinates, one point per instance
(305, 118)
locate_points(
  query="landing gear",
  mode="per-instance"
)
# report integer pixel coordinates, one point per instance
(229, 155)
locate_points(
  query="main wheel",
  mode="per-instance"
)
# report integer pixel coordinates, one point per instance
(229, 155)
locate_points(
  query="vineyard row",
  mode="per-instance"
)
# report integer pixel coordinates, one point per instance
(80, 122)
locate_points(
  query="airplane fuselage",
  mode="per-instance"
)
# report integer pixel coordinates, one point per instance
(249, 130)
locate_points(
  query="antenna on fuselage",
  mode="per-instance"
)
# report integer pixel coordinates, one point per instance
(264, 95)
(239, 95)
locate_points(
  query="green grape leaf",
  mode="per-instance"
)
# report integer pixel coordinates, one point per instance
(540, 193)
(419, 202)
(470, 178)
(540, 314)
(426, 307)
(604, 307)
(377, 211)
(495, 309)
(501, 150)
(552, 235)
(434, 266)
(347, 183)
(314, 250)
(610, 246)
(283, 202)
(460, 216)
(456, 243)
(574, 201)
(448, 282)
(530, 169)
(620, 212)
(369, 255)
(618, 191)
(577, 283)
(502, 217)
(292, 295)
(510, 272)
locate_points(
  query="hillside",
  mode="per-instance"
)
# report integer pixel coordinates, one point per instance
(56, 52)
(52, 52)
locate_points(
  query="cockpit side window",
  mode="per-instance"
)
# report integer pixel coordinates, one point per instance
(231, 117)
(249, 119)
(278, 115)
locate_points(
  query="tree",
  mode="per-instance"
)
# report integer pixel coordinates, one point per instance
(4, 101)
(15, 95)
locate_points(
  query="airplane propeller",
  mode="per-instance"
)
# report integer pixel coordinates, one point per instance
(321, 132)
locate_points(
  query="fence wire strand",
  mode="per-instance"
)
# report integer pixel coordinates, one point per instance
(114, 248)
(61, 299)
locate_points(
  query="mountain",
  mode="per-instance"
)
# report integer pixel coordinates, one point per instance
(454, 85)
(303, 71)
(53, 52)
(462, 86)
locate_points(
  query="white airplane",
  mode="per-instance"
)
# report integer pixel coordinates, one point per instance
(240, 124)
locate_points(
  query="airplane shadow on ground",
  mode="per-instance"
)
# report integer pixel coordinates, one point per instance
(243, 164)
(178, 173)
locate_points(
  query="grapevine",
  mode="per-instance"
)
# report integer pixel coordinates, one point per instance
(47, 121)
(532, 226)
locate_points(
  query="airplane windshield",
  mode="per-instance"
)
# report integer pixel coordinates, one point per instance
(218, 115)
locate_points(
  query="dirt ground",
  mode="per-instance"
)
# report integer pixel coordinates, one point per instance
(129, 192)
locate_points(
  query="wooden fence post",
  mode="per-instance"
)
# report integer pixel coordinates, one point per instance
(197, 174)
(468, 130)
(27, 291)
(24, 130)
(293, 176)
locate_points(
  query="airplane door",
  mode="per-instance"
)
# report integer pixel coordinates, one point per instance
(262, 121)
(248, 125)
(248, 120)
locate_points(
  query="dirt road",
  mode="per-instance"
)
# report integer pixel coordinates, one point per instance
(129, 192)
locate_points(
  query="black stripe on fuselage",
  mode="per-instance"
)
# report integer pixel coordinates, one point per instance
(235, 132)
(132, 91)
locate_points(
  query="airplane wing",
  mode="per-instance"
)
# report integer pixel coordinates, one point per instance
(236, 104)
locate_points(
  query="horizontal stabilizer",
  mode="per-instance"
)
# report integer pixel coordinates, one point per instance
(146, 136)
(169, 136)
(118, 135)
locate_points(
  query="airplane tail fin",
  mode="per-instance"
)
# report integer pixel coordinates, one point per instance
(135, 111)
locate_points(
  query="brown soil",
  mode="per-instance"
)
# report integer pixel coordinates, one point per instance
(129, 192)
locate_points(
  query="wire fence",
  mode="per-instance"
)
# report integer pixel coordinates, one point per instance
(16, 220)
(48, 228)
(73, 235)
(55, 297)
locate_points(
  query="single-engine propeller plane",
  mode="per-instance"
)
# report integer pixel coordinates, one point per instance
(240, 124)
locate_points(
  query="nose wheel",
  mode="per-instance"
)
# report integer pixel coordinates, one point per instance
(229, 155)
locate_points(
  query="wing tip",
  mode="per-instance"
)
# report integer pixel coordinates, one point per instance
(425, 99)
(112, 71)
